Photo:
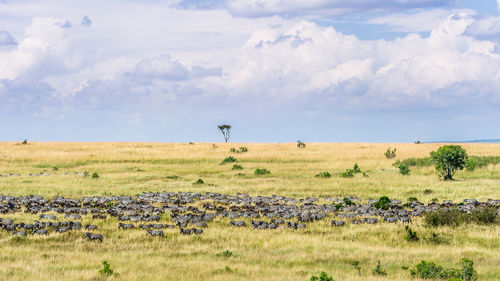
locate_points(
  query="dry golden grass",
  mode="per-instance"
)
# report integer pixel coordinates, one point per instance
(131, 168)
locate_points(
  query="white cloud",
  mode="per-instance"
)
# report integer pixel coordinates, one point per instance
(417, 21)
(405, 71)
(265, 8)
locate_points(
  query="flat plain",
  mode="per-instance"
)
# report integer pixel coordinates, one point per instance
(278, 254)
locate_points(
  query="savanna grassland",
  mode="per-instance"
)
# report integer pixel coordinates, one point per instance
(281, 254)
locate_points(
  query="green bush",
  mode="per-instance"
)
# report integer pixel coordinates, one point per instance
(356, 265)
(389, 154)
(322, 277)
(356, 168)
(404, 169)
(411, 235)
(237, 167)
(106, 270)
(348, 201)
(415, 162)
(198, 182)
(383, 203)
(95, 175)
(412, 199)
(225, 254)
(323, 175)
(349, 173)
(229, 159)
(378, 270)
(448, 160)
(260, 172)
(430, 270)
(453, 217)
(242, 149)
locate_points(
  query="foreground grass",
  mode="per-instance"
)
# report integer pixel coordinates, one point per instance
(131, 168)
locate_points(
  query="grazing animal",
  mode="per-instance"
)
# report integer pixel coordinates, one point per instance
(41, 232)
(370, 220)
(390, 220)
(48, 217)
(91, 236)
(71, 216)
(98, 216)
(186, 231)
(337, 223)
(238, 223)
(154, 232)
(90, 227)
(126, 226)
(62, 229)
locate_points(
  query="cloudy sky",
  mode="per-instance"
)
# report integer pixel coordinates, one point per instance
(276, 70)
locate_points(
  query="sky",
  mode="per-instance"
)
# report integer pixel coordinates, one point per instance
(276, 70)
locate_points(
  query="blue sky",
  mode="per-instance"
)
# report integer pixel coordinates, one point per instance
(276, 70)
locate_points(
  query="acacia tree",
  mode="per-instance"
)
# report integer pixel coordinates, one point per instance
(448, 159)
(225, 130)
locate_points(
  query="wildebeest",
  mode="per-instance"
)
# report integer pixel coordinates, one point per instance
(91, 236)
(72, 216)
(370, 220)
(186, 231)
(154, 232)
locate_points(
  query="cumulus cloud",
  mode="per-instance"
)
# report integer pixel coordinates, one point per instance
(261, 8)
(323, 64)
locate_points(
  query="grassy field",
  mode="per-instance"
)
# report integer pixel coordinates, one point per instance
(283, 254)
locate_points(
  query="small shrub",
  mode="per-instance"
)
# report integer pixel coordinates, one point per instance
(434, 200)
(428, 191)
(412, 199)
(95, 175)
(237, 167)
(378, 270)
(430, 270)
(411, 235)
(301, 144)
(383, 203)
(260, 172)
(356, 265)
(322, 277)
(349, 173)
(86, 174)
(404, 169)
(323, 175)
(55, 168)
(338, 206)
(225, 254)
(356, 169)
(106, 270)
(348, 201)
(242, 149)
(484, 216)
(199, 182)
(453, 217)
(417, 142)
(389, 154)
(229, 159)
(172, 177)
(25, 141)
